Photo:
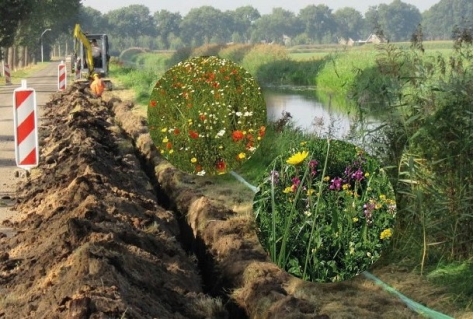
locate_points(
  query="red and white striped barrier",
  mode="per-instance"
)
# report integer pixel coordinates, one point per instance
(26, 128)
(62, 76)
(6, 73)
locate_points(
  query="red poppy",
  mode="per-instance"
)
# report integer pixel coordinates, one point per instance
(176, 131)
(197, 168)
(169, 145)
(261, 131)
(202, 117)
(152, 103)
(193, 134)
(220, 165)
(237, 135)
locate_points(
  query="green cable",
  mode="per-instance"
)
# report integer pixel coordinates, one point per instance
(413, 305)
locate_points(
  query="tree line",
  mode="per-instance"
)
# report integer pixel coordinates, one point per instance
(22, 24)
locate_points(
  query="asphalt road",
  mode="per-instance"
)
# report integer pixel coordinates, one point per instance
(45, 83)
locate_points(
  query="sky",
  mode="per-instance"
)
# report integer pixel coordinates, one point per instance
(263, 6)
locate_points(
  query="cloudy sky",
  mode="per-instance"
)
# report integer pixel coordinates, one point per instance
(263, 6)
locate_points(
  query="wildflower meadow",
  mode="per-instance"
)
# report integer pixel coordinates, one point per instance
(325, 210)
(207, 115)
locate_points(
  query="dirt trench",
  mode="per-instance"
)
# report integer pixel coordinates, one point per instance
(109, 229)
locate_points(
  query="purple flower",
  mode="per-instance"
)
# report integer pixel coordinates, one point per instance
(336, 184)
(312, 165)
(358, 175)
(296, 182)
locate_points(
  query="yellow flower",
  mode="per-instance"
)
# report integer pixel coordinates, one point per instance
(355, 219)
(326, 179)
(194, 160)
(163, 130)
(297, 158)
(367, 174)
(382, 197)
(346, 186)
(165, 140)
(288, 189)
(386, 233)
(310, 191)
(241, 155)
(170, 152)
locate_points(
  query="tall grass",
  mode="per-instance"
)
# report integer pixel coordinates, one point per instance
(427, 102)
(262, 54)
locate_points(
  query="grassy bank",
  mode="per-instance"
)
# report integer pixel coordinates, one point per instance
(425, 143)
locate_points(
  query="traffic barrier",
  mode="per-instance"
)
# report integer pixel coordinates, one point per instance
(25, 127)
(6, 74)
(62, 76)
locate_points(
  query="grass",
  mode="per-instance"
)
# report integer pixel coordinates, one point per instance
(17, 75)
(457, 278)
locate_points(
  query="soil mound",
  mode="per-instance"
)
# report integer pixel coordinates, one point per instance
(94, 241)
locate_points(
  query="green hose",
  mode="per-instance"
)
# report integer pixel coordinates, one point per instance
(416, 307)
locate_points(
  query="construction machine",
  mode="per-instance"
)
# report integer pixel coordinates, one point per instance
(83, 63)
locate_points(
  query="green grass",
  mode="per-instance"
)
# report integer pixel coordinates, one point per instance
(141, 81)
(457, 278)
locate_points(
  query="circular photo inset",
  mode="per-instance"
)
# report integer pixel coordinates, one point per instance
(325, 210)
(207, 115)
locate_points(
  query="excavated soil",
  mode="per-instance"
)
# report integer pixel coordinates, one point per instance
(108, 229)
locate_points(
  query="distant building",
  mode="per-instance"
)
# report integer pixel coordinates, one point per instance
(373, 38)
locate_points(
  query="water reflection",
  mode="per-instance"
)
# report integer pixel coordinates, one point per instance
(308, 114)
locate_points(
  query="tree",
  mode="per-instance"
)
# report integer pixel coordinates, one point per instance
(167, 23)
(16, 11)
(439, 21)
(318, 22)
(397, 20)
(272, 27)
(202, 24)
(132, 21)
(92, 21)
(45, 14)
(350, 23)
(243, 18)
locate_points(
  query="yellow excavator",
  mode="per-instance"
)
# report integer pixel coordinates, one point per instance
(83, 63)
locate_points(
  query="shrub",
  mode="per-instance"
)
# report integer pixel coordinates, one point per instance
(235, 52)
(262, 54)
(207, 50)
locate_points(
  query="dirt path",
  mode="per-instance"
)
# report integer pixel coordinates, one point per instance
(44, 82)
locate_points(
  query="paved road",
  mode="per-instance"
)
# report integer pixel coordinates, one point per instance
(45, 83)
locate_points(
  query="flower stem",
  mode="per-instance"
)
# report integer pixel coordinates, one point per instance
(313, 226)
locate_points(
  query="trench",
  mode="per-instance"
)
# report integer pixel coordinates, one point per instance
(213, 284)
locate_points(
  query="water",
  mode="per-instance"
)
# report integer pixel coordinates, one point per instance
(311, 116)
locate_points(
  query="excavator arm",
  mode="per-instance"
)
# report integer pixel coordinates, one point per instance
(80, 36)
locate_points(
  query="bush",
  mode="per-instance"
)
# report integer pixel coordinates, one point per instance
(179, 56)
(235, 52)
(262, 54)
(207, 50)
